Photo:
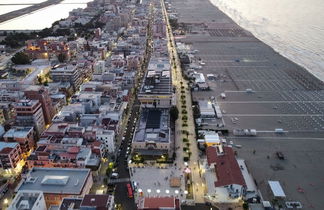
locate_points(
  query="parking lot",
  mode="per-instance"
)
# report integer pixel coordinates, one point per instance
(301, 174)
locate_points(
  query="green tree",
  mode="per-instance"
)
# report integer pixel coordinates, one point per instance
(20, 58)
(174, 113)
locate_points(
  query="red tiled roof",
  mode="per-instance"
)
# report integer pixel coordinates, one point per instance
(73, 150)
(68, 155)
(226, 167)
(211, 155)
(96, 144)
(6, 150)
(156, 203)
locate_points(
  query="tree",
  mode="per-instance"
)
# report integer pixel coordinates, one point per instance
(20, 58)
(61, 57)
(174, 113)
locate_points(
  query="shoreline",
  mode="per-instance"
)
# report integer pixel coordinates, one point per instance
(277, 47)
(229, 22)
(24, 11)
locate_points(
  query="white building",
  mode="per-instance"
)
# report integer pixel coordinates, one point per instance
(107, 137)
(28, 199)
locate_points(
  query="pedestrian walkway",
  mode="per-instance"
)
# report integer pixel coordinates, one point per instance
(178, 81)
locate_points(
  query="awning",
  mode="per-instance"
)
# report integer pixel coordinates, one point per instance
(276, 189)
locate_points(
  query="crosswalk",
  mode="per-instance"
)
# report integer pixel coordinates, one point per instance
(115, 181)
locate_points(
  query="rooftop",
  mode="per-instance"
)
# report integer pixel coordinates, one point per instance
(158, 77)
(158, 203)
(226, 167)
(55, 180)
(18, 132)
(99, 201)
(5, 145)
(153, 126)
(25, 200)
(70, 203)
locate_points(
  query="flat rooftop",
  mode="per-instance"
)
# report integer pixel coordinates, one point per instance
(55, 180)
(18, 132)
(154, 125)
(157, 79)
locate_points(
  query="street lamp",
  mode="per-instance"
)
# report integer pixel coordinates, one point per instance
(167, 191)
(186, 192)
(158, 191)
(176, 191)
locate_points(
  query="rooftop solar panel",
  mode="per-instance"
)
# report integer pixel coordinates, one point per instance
(153, 119)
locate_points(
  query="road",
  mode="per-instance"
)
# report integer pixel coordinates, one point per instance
(178, 81)
(121, 196)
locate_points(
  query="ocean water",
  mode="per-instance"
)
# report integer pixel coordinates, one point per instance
(294, 28)
(41, 18)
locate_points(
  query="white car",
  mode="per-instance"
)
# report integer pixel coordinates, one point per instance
(231, 142)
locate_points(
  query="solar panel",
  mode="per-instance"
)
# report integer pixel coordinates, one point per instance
(153, 119)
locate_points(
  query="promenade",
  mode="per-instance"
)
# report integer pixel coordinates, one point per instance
(284, 95)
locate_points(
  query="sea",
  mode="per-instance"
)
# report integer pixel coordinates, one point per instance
(294, 28)
(38, 19)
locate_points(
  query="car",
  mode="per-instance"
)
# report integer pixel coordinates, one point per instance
(231, 142)
(114, 175)
(280, 155)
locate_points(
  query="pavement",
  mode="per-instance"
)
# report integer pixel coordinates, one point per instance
(194, 165)
(284, 95)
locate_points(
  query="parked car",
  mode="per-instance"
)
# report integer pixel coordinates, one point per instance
(280, 155)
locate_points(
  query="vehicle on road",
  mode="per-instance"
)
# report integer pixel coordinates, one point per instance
(280, 155)
(114, 176)
(129, 190)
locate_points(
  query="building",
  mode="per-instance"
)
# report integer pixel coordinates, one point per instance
(30, 113)
(70, 204)
(156, 90)
(57, 183)
(10, 155)
(31, 200)
(22, 135)
(97, 202)
(158, 203)
(153, 135)
(67, 73)
(44, 49)
(107, 137)
(41, 94)
(225, 179)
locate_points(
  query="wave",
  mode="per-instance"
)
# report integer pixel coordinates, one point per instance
(294, 33)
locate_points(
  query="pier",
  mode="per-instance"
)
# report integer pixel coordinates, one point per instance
(24, 11)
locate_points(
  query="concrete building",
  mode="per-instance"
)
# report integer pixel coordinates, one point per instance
(152, 136)
(41, 94)
(31, 200)
(67, 73)
(156, 90)
(44, 49)
(97, 202)
(10, 155)
(22, 135)
(158, 203)
(57, 183)
(107, 137)
(30, 113)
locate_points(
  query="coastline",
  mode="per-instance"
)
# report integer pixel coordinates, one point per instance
(300, 55)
